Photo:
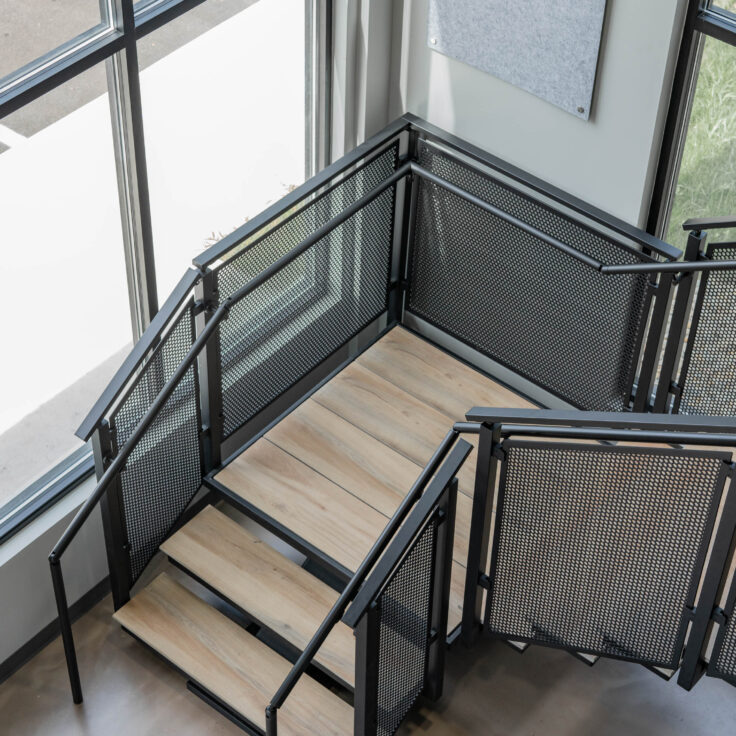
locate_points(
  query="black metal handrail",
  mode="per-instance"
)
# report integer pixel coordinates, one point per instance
(167, 390)
(448, 471)
(709, 223)
(535, 184)
(147, 342)
(360, 153)
(650, 266)
(632, 426)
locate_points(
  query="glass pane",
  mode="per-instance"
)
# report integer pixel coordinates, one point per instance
(67, 325)
(705, 186)
(729, 5)
(29, 30)
(224, 119)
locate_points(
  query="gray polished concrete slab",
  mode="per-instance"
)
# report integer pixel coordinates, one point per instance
(490, 690)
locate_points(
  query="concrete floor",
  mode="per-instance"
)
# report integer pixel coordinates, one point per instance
(489, 690)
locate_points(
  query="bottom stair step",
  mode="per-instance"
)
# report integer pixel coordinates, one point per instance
(278, 593)
(227, 661)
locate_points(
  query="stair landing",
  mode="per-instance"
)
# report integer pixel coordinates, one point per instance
(336, 468)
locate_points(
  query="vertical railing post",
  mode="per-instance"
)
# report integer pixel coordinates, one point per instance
(65, 626)
(271, 721)
(693, 667)
(367, 642)
(113, 518)
(441, 576)
(678, 323)
(405, 204)
(480, 528)
(210, 372)
(653, 345)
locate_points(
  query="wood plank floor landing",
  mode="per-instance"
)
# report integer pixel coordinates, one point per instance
(337, 467)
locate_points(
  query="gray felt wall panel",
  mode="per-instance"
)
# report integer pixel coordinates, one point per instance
(546, 47)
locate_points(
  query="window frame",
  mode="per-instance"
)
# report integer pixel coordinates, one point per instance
(114, 41)
(703, 19)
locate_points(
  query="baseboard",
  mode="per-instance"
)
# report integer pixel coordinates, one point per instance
(34, 645)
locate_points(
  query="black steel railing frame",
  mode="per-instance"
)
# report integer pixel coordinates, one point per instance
(210, 310)
(495, 425)
(438, 478)
(655, 253)
(438, 506)
(670, 274)
(203, 351)
(688, 306)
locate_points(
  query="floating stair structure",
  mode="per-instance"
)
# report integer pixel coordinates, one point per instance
(336, 443)
(325, 479)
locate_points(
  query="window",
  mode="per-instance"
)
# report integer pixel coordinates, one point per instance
(107, 190)
(698, 165)
(221, 143)
(705, 184)
(31, 30)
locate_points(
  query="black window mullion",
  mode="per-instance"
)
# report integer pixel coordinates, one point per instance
(130, 156)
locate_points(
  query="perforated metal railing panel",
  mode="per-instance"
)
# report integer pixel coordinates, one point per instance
(164, 471)
(157, 370)
(520, 301)
(599, 548)
(404, 631)
(709, 386)
(723, 657)
(308, 309)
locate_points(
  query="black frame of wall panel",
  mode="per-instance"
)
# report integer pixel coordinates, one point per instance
(113, 41)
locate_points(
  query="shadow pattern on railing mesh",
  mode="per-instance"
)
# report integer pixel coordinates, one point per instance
(404, 632)
(709, 381)
(600, 549)
(482, 279)
(164, 471)
(308, 309)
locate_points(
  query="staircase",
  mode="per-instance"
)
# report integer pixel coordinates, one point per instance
(304, 379)
(227, 662)
(326, 479)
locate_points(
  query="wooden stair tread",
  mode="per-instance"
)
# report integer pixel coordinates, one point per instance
(312, 506)
(393, 416)
(277, 592)
(345, 454)
(229, 662)
(435, 377)
(343, 460)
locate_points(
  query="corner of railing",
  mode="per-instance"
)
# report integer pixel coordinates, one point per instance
(136, 356)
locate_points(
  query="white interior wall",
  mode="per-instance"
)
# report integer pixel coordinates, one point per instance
(27, 602)
(609, 160)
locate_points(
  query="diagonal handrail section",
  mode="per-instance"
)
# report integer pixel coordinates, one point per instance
(441, 469)
(118, 463)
